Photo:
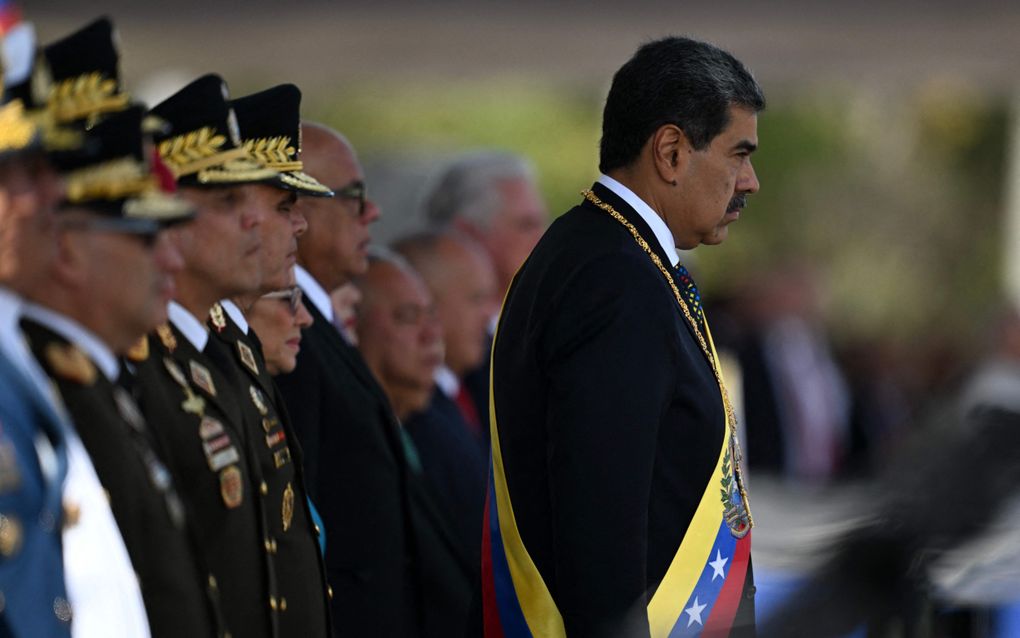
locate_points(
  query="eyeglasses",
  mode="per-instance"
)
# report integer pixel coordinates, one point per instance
(292, 295)
(355, 191)
(146, 230)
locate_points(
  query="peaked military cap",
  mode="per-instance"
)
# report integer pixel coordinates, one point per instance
(121, 181)
(270, 124)
(202, 143)
(85, 75)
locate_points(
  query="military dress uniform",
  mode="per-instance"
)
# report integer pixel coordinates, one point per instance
(291, 538)
(33, 464)
(199, 422)
(142, 496)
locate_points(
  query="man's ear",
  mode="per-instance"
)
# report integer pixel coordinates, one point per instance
(670, 149)
(70, 263)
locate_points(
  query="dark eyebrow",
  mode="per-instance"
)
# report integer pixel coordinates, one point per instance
(289, 199)
(745, 145)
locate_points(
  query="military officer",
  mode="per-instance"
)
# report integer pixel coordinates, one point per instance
(73, 84)
(187, 397)
(33, 447)
(109, 286)
(270, 124)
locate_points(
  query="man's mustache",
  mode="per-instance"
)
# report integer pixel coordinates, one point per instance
(737, 203)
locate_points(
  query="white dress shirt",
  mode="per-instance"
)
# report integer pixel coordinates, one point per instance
(235, 313)
(102, 587)
(315, 293)
(659, 228)
(193, 329)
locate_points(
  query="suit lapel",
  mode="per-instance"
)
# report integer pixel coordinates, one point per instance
(646, 233)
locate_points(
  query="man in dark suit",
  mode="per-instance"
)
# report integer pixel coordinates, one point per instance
(389, 557)
(616, 505)
(107, 286)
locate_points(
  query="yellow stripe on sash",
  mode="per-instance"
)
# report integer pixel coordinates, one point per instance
(533, 595)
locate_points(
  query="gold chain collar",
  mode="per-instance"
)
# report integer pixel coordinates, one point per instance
(731, 418)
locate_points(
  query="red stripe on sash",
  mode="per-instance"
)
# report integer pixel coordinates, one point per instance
(720, 621)
(490, 610)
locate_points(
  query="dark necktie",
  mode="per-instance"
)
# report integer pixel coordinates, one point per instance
(691, 296)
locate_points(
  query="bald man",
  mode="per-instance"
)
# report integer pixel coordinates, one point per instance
(449, 434)
(391, 561)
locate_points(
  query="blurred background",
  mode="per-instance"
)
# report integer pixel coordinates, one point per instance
(867, 291)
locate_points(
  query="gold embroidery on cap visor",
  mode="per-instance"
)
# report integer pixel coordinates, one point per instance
(198, 153)
(125, 178)
(277, 153)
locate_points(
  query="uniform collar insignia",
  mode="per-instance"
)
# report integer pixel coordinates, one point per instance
(202, 377)
(70, 363)
(140, 351)
(217, 318)
(247, 357)
(166, 337)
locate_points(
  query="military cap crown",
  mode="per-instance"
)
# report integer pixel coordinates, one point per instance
(118, 180)
(84, 70)
(270, 123)
(202, 143)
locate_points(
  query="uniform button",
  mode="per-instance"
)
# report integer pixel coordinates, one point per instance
(274, 545)
(272, 603)
(318, 532)
(264, 488)
(62, 609)
(329, 591)
(283, 604)
(212, 581)
(269, 546)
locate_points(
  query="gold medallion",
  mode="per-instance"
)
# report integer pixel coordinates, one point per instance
(216, 317)
(68, 362)
(247, 357)
(202, 377)
(231, 488)
(166, 337)
(288, 506)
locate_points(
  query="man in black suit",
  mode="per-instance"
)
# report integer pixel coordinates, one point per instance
(389, 556)
(616, 505)
(106, 287)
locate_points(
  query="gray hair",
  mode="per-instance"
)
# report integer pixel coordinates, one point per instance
(466, 189)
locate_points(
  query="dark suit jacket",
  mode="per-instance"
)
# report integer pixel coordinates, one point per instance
(300, 575)
(31, 562)
(610, 419)
(454, 468)
(173, 582)
(389, 558)
(222, 499)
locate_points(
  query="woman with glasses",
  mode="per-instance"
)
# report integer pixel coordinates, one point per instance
(278, 319)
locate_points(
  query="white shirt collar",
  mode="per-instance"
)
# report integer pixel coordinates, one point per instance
(77, 334)
(235, 313)
(658, 226)
(193, 330)
(10, 313)
(314, 292)
(447, 381)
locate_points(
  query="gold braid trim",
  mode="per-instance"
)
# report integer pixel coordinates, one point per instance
(236, 170)
(16, 130)
(84, 96)
(274, 152)
(731, 417)
(116, 179)
(197, 150)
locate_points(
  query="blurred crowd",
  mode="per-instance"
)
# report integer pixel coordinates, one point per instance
(225, 411)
